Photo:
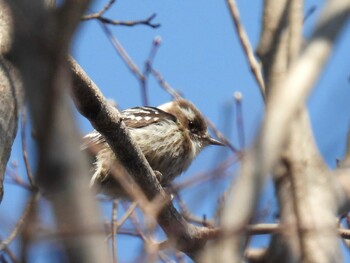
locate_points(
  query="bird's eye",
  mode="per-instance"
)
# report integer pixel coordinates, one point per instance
(192, 126)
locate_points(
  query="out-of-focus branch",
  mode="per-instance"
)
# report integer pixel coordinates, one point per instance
(61, 170)
(343, 178)
(342, 173)
(288, 244)
(294, 89)
(273, 42)
(289, 96)
(114, 230)
(11, 98)
(255, 255)
(141, 76)
(345, 163)
(295, 29)
(247, 47)
(303, 183)
(24, 148)
(308, 196)
(22, 220)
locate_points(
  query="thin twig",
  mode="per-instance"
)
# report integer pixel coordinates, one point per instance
(309, 12)
(99, 16)
(216, 172)
(189, 216)
(247, 47)
(176, 95)
(122, 220)
(145, 22)
(21, 221)
(127, 214)
(221, 137)
(151, 247)
(17, 180)
(99, 13)
(24, 148)
(239, 118)
(11, 255)
(147, 68)
(165, 85)
(122, 52)
(114, 230)
(140, 76)
(346, 161)
(137, 225)
(148, 64)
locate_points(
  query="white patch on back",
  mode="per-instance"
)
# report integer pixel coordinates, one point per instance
(165, 107)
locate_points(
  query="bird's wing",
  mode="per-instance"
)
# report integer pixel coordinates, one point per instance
(139, 117)
(135, 118)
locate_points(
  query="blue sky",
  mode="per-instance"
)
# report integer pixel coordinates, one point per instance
(200, 56)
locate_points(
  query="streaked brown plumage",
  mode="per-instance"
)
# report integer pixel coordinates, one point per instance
(170, 137)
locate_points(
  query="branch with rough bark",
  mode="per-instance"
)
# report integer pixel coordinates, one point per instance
(106, 120)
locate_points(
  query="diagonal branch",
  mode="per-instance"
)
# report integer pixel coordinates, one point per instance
(106, 120)
(247, 47)
(101, 12)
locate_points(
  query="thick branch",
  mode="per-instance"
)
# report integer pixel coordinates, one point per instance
(273, 42)
(106, 120)
(11, 98)
(308, 195)
(61, 169)
(289, 96)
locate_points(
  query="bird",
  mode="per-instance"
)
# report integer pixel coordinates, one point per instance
(170, 136)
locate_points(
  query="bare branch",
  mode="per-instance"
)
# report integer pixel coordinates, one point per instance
(289, 96)
(99, 16)
(146, 22)
(101, 12)
(130, 210)
(247, 47)
(61, 169)
(122, 52)
(106, 120)
(21, 221)
(239, 118)
(273, 45)
(11, 91)
(166, 86)
(346, 160)
(147, 68)
(24, 148)
(114, 230)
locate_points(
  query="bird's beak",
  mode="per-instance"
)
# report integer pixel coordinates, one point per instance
(213, 141)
